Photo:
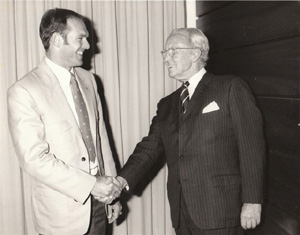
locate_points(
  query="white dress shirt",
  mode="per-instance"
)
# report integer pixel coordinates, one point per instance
(194, 80)
(64, 78)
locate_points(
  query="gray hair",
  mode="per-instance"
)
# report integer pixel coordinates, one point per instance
(196, 38)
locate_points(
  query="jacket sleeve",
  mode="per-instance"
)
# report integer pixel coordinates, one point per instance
(248, 127)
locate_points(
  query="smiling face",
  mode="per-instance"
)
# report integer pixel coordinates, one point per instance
(75, 43)
(181, 65)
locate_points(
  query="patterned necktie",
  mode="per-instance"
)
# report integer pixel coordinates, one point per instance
(83, 118)
(184, 96)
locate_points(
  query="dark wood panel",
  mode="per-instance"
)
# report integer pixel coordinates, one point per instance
(283, 142)
(270, 68)
(250, 22)
(276, 221)
(205, 7)
(282, 125)
(283, 187)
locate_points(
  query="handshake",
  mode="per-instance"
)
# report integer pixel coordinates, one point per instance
(107, 188)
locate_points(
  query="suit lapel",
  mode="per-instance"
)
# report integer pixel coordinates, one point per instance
(198, 94)
(87, 93)
(54, 90)
(176, 108)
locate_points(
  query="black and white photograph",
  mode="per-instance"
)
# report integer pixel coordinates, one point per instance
(149, 117)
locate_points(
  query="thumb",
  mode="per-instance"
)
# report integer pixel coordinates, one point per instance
(108, 180)
(109, 212)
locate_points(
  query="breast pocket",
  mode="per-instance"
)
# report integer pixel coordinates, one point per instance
(60, 136)
(57, 126)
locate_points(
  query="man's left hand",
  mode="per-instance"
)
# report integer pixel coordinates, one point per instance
(114, 211)
(250, 215)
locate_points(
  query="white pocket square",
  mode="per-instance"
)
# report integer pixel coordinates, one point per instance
(213, 106)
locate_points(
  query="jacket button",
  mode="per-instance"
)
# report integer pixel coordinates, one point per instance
(181, 157)
(83, 159)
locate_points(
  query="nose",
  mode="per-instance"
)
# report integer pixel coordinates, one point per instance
(166, 57)
(86, 44)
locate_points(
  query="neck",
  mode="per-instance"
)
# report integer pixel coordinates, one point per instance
(56, 59)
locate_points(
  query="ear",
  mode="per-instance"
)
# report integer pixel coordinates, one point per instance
(56, 40)
(196, 54)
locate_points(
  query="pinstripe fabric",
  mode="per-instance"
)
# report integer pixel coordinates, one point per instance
(188, 227)
(216, 158)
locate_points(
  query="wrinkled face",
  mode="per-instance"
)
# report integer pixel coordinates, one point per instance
(180, 62)
(71, 52)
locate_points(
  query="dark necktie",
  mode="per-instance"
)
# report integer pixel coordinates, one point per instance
(83, 118)
(184, 96)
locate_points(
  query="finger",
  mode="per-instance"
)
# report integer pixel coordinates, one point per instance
(243, 223)
(109, 200)
(253, 223)
(117, 182)
(249, 224)
(108, 180)
(116, 191)
(116, 194)
(258, 221)
(109, 212)
(112, 219)
(104, 199)
(116, 213)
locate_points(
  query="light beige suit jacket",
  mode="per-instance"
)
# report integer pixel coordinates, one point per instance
(50, 148)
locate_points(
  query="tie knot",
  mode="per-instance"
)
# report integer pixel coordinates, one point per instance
(186, 84)
(73, 80)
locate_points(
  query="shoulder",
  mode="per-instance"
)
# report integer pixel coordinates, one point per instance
(224, 79)
(167, 99)
(27, 81)
(228, 81)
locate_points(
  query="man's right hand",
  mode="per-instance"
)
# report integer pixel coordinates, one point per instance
(121, 182)
(105, 190)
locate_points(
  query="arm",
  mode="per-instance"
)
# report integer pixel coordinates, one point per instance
(248, 127)
(144, 155)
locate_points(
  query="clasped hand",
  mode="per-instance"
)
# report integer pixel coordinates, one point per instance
(106, 189)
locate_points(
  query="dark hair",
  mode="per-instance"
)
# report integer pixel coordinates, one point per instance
(55, 20)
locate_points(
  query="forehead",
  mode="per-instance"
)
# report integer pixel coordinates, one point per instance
(77, 26)
(177, 41)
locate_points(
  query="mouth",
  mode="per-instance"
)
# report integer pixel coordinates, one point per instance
(170, 67)
(80, 53)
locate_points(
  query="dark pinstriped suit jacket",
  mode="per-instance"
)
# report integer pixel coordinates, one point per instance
(215, 159)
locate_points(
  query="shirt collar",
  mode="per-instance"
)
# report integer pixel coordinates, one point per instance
(194, 80)
(62, 74)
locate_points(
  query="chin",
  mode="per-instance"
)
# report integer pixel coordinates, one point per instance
(79, 63)
(171, 75)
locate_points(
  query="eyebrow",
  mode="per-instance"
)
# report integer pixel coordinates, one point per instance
(86, 35)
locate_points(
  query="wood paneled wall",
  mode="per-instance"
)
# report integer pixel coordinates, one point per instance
(260, 42)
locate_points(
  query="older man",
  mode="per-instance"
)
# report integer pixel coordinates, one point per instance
(211, 133)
